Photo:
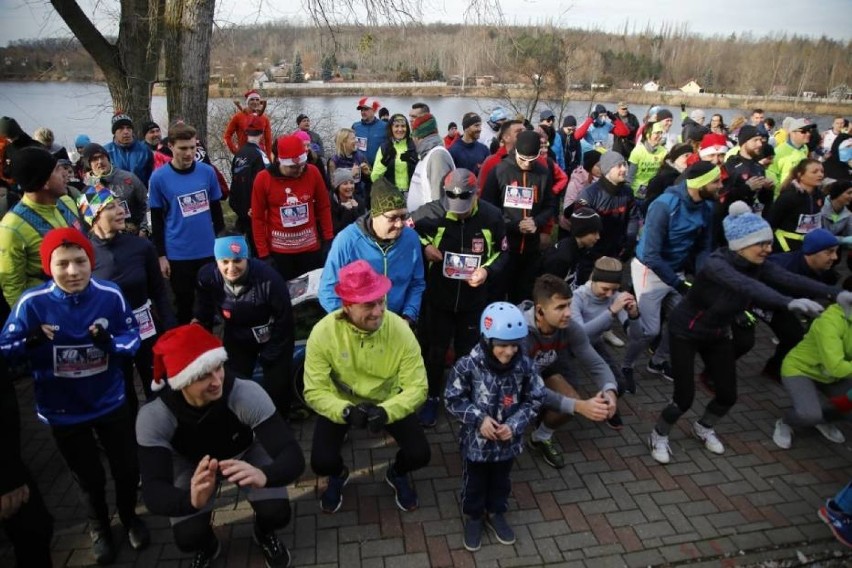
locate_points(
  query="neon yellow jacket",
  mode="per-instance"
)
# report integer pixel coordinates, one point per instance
(20, 262)
(345, 365)
(787, 157)
(825, 353)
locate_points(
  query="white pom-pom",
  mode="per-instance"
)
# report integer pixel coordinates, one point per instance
(739, 208)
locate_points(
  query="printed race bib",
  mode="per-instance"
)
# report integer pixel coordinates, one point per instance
(808, 223)
(360, 144)
(193, 203)
(518, 197)
(294, 215)
(145, 321)
(460, 266)
(75, 361)
(262, 333)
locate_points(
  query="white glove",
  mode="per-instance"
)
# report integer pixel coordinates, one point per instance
(805, 307)
(844, 298)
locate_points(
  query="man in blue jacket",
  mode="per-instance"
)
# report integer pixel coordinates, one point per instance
(382, 238)
(128, 153)
(677, 232)
(76, 331)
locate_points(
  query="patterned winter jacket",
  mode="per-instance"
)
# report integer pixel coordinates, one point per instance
(475, 391)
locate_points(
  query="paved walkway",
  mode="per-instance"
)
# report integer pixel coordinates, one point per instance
(611, 506)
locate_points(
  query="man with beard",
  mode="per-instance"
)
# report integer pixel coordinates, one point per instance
(747, 180)
(152, 135)
(468, 152)
(130, 193)
(128, 153)
(677, 231)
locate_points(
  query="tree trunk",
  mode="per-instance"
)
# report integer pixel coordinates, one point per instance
(129, 65)
(188, 30)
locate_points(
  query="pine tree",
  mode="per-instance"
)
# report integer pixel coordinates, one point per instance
(298, 74)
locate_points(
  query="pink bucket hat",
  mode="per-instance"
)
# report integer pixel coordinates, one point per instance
(357, 283)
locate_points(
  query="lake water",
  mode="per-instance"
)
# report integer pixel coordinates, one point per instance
(70, 109)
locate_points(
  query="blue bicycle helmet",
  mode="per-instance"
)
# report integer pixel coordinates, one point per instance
(503, 321)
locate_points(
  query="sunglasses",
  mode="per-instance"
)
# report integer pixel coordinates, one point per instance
(527, 158)
(462, 195)
(396, 218)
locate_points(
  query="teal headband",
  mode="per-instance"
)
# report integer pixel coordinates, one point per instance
(230, 247)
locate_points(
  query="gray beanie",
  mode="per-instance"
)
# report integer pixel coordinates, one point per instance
(609, 160)
(340, 176)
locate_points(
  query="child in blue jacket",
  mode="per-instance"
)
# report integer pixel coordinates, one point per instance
(495, 393)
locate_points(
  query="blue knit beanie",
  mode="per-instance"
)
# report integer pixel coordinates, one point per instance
(818, 240)
(743, 228)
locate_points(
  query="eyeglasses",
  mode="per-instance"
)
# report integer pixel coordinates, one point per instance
(547, 119)
(401, 218)
(462, 195)
(527, 158)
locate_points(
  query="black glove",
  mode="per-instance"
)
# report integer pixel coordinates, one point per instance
(612, 116)
(682, 287)
(409, 156)
(99, 335)
(388, 158)
(355, 416)
(683, 107)
(35, 338)
(377, 418)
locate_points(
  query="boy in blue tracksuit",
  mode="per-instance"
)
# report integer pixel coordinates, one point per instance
(76, 332)
(495, 393)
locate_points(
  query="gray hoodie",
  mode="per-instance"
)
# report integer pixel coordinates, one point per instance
(559, 352)
(592, 313)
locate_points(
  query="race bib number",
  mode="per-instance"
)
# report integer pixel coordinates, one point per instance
(361, 144)
(294, 215)
(460, 266)
(76, 361)
(262, 333)
(123, 204)
(808, 223)
(145, 321)
(518, 197)
(193, 203)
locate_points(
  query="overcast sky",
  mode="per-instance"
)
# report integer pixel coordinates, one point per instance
(26, 19)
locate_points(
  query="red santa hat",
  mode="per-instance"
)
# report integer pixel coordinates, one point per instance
(252, 94)
(713, 144)
(368, 102)
(291, 151)
(56, 238)
(184, 354)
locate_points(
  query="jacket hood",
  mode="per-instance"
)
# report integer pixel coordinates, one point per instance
(425, 144)
(527, 308)
(586, 291)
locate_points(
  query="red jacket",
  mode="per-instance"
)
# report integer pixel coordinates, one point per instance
(238, 124)
(488, 164)
(286, 213)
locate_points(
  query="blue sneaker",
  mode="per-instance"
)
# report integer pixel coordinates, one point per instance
(501, 529)
(473, 534)
(332, 498)
(428, 414)
(839, 522)
(405, 496)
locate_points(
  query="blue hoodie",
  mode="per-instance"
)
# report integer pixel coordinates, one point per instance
(677, 229)
(374, 134)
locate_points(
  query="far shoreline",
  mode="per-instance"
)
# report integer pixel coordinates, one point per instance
(788, 105)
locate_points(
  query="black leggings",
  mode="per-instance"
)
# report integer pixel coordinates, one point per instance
(195, 533)
(720, 367)
(79, 448)
(183, 280)
(414, 451)
(440, 328)
(277, 375)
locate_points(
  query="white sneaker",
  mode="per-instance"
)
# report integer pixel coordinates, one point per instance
(831, 433)
(709, 437)
(783, 435)
(660, 449)
(610, 337)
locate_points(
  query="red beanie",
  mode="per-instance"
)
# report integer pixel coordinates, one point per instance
(184, 354)
(65, 236)
(713, 144)
(291, 151)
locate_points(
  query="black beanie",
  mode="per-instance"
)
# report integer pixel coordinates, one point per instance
(569, 121)
(528, 143)
(32, 167)
(121, 119)
(148, 126)
(10, 128)
(838, 188)
(584, 221)
(747, 132)
(470, 119)
(90, 150)
(663, 114)
(591, 158)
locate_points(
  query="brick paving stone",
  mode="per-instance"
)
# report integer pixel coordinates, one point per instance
(438, 551)
(717, 546)
(628, 538)
(643, 558)
(654, 530)
(599, 506)
(415, 540)
(745, 507)
(548, 550)
(463, 559)
(382, 547)
(670, 497)
(719, 499)
(602, 529)
(572, 496)
(547, 505)
(680, 538)
(650, 509)
(609, 550)
(524, 495)
(576, 541)
(410, 561)
(626, 518)
(574, 517)
(727, 519)
(685, 551)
